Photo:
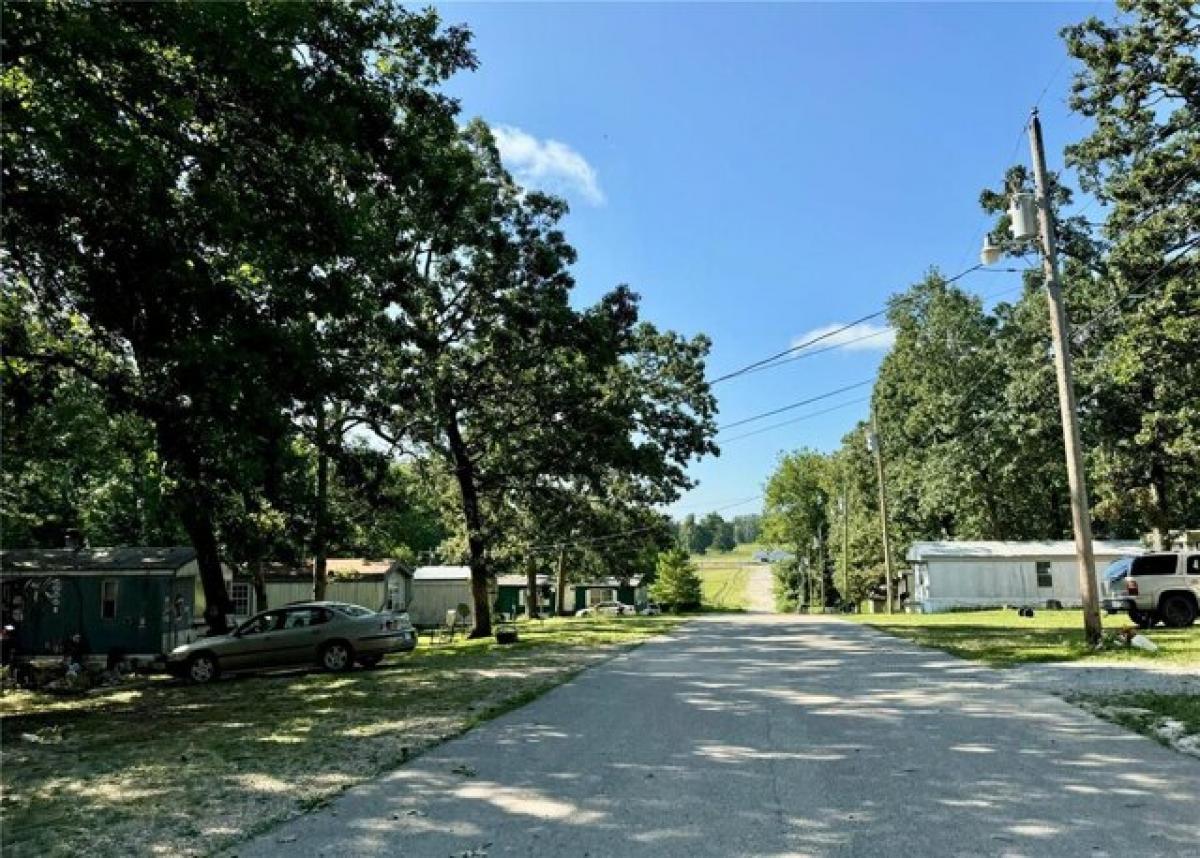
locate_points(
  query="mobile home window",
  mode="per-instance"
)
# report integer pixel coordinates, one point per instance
(1044, 576)
(108, 600)
(239, 594)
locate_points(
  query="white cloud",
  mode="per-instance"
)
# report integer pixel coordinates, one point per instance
(864, 337)
(547, 164)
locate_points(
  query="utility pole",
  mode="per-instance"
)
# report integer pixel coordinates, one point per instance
(1080, 516)
(874, 445)
(845, 538)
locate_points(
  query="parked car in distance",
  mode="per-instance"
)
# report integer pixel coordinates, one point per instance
(611, 609)
(331, 635)
(650, 609)
(1161, 587)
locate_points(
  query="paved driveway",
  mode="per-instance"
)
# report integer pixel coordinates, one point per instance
(764, 735)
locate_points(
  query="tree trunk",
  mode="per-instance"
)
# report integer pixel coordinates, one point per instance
(197, 521)
(260, 587)
(464, 471)
(195, 510)
(1161, 514)
(321, 526)
(531, 598)
(560, 585)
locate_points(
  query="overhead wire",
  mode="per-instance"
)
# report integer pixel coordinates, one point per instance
(793, 405)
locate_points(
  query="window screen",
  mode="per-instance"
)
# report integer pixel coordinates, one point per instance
(1044, 576)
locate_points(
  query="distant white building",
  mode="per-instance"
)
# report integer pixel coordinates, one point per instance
(949, 575)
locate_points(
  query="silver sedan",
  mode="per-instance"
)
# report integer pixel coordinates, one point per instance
(332, 635)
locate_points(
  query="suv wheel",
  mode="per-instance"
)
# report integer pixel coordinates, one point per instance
(202, 668)
(336, 657)
(1143, 619)
(1178, 611)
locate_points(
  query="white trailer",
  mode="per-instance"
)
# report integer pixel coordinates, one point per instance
(946, 576)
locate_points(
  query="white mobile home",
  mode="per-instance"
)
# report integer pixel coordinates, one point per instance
(949, 575)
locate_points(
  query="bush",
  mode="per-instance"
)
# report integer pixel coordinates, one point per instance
(676, 584)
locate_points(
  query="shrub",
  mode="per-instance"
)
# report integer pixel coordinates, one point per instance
(676, 584)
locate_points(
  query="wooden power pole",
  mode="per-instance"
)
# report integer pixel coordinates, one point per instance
(845, 539)
(1059, 329)
(875, 445)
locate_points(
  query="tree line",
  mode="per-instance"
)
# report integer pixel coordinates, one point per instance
(966, 401)
(697, 535)
(269, 294)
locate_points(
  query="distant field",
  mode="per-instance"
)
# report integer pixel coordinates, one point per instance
(723, 577)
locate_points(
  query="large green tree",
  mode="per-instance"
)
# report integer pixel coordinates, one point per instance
(191, 180)
(518, 392)
(1139, 82)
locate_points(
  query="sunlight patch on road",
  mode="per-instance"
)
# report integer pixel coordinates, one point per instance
(528, 802)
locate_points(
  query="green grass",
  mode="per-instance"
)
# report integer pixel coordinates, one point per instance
(723, 577)
(1002, 639)
(161, 767)
(1147, 712)
(723, 588)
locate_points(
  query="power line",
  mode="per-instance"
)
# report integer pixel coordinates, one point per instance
(811, 399)
(773, 360)
(794, 420)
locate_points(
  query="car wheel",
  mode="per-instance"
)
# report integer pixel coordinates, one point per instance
(202, 668)
(1143, 619)
(336, 656)
(1178, 611)
(369, 661)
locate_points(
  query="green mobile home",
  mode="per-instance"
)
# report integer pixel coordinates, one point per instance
(628, 591)
(511, 594)
(124, 603)
(511, 590)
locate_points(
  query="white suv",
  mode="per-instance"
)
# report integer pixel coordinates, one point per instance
(1162, 587)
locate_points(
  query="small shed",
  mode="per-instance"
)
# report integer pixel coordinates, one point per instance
(136, 603)
(437, 590)
(362, 581)
(950, 575)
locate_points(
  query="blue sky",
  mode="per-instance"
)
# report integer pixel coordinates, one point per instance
(758, 172)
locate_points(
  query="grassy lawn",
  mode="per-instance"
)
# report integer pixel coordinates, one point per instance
(723, 577)
(723, 587)
(1003, 639)
(158, 767)
(1172, 719)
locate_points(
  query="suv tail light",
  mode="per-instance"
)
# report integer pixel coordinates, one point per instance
(1131, 587)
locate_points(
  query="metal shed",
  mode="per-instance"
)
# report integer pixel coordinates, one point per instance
(949, 575)
(437, 590)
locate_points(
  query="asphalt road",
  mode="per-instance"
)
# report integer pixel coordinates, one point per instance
(765, 735)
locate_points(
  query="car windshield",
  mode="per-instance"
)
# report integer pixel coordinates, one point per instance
(354, 610)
